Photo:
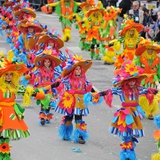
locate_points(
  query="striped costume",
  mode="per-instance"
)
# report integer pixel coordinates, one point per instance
(78, 107)
(127, 119)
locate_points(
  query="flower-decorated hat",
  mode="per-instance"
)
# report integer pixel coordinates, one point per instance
(48, 53)
(147, 44)
(94, 10)
(128, 71)
(24, 24)
(112, 12)
(87, 3)
(50, 36)
(25, 10)
(130, 24)
(7, 65)
(73, 62)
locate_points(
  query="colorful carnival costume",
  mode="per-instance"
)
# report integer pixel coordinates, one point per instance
(82, 22)
(71, 101)
(127, 120)
(110, 35)
(94, 24)
(12, 125)
(44, 74)
(24, 13)
(65, 10)
(28, 28)
(40, 41)
(156, 135)
(130, 33)
(148, 59)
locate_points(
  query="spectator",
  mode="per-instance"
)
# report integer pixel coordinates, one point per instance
(157, 28)
(125, 5)
(158, 3)
(137, 13)
(109, 3)
(147, 18)
(146, 22)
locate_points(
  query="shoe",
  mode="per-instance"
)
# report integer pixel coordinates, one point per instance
(81, 141)
(150, 117)
(42, 122)
(67, 39)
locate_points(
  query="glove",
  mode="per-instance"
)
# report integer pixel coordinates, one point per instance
(158, 87)
(34, 94)
(56, 84)
(103, 93)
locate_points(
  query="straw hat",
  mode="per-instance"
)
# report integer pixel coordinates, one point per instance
(24, 24)
(43, 39)
(8, 3)
(130, 24)
(147, 44)
(48, 53)
(25, 10)
(74, 62)
(8, 66)
(128, 71)
(33, 40)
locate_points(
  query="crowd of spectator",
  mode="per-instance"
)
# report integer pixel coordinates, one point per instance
(149, 18)
(133, 8)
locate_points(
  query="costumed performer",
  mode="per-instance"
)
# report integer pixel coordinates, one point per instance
(94, 24)
(130, 34)
(41, 76)
(12, 124)
(28, 28)
(156, 135)
(127, 120)
(110, 35)
(147, 58)
(65, 10)
(71, 102)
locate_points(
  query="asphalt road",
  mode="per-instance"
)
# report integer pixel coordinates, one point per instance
(44, 143)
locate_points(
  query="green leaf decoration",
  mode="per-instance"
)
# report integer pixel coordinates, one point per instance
(159, 144)
(38, 102)
(46, 101)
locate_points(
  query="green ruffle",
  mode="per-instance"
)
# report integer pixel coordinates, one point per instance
(5, 156)
(84, 46)
(62, 19)
(137, 61)
(14, 134)
(19, 111)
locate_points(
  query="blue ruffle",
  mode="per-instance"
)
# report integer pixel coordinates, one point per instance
(65, 132)
(127, 154)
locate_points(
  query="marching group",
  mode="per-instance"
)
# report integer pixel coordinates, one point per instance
(36, 67)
